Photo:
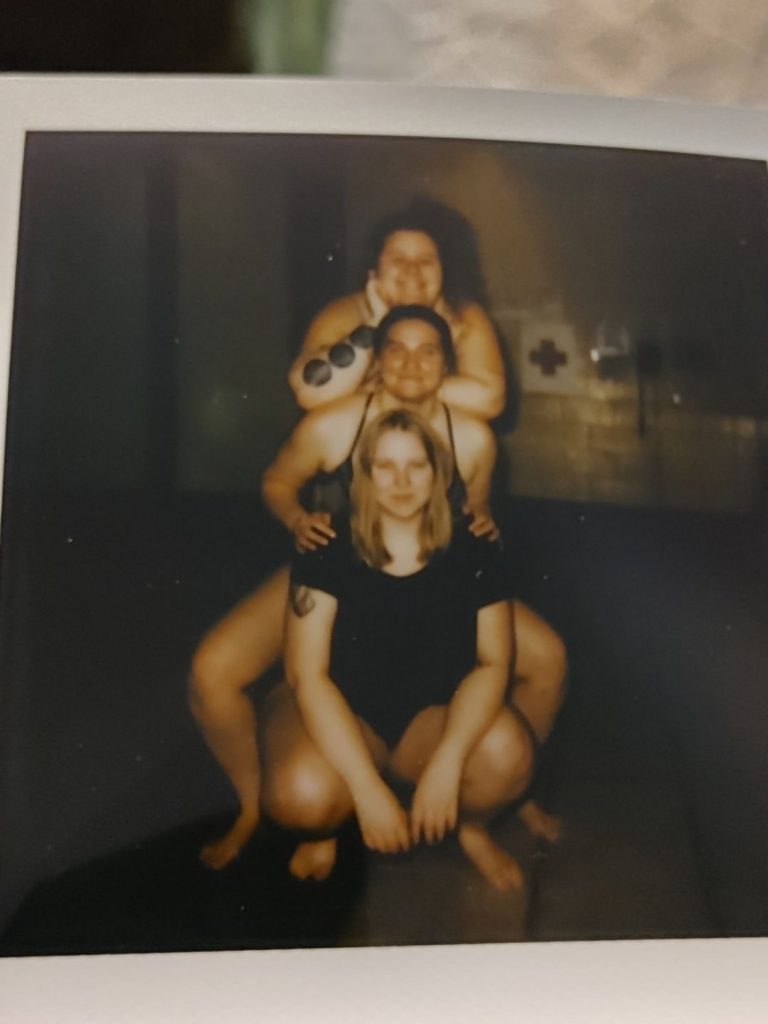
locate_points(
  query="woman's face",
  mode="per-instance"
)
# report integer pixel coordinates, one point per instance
(402, 476)
(411, 362)
(409, 271)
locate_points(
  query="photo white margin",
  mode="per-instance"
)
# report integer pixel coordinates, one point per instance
(596, 982)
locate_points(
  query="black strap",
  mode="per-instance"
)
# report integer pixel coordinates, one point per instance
(368, 401)
(449, 424)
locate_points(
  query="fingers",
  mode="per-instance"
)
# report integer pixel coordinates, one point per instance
(313, 531)
(433, 825)
(320, 526)
(484, 526)
(384, 825)
(388, 840)
(403, 839)
(416, 823)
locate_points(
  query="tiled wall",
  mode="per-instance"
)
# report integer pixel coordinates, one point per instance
(583, 444)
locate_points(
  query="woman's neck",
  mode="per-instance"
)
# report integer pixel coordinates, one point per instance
(426, 409)
(402, 541)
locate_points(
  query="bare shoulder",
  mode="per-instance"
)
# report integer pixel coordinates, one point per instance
(475, 336)
(471, 319)
(333, 425)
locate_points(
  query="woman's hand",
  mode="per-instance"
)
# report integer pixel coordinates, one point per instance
(377, 306)
(444, 310)
(383, 822)
(435, 807)
(482, 524)
(312, 530)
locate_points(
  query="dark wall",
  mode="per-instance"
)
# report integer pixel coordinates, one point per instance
(163, 286)
(164, 283)
(676, 248)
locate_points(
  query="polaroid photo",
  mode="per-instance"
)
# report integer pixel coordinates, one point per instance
(380, 324)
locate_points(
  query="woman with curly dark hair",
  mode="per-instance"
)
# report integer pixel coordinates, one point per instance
(424, 255)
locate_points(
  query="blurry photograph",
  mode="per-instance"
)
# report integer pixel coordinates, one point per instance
(383, 544)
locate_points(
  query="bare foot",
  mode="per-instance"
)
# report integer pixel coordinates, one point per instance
(539, 822)
(313, 859)
(496, 866)
(218, 854)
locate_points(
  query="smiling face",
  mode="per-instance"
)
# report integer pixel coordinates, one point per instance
(411, 362)
(402, 477)
(409, 270)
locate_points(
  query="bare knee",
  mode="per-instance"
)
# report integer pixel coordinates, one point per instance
(506, 750)
(298, 796)
(501, 765)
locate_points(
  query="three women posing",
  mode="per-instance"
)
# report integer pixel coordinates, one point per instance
(418, 367)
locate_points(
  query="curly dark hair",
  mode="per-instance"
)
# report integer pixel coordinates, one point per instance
(454, 238)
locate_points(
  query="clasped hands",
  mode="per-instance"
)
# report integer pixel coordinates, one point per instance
(388, 828)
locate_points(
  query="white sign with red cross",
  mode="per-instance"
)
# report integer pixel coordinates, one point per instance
(550, 360)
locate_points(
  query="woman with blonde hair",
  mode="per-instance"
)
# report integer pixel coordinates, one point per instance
(398, 647)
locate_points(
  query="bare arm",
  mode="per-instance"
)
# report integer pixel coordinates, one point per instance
(323, 371)
(330, 722)
(478, 457)
(478, 386)
(298, 460)
(480, 695)
(471, 712)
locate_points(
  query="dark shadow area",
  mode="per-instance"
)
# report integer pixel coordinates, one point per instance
(157, 897)
(100, 36)
(656, 767)
(162, 285)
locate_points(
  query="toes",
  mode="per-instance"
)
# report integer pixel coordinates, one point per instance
(321, 871)
(539, 822)
(298, 866)
(312, 860)
(217, 855)
(552, 831)
(512, 876)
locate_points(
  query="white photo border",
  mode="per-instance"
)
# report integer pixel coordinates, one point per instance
(669, 980)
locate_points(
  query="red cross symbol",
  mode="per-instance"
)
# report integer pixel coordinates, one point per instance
(548, 357)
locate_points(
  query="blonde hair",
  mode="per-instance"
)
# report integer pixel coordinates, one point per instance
(365, 519)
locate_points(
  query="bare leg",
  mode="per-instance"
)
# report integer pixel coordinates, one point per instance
(301, 790)
(496, 772)
(495, 865)
(239, 649)
(540, 670)
(540, 823)
(538, 691)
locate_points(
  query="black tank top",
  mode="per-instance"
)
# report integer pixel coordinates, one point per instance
(329, 492)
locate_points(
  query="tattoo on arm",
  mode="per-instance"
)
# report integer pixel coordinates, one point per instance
(302, 600)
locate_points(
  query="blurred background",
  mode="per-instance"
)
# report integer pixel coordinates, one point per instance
(704, 50)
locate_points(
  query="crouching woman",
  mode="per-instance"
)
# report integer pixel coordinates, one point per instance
(398, 647)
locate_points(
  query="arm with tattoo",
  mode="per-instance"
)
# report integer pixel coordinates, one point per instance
(302, 601)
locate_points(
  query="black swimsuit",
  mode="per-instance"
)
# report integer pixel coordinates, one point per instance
(329, 491)
(404, 643)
